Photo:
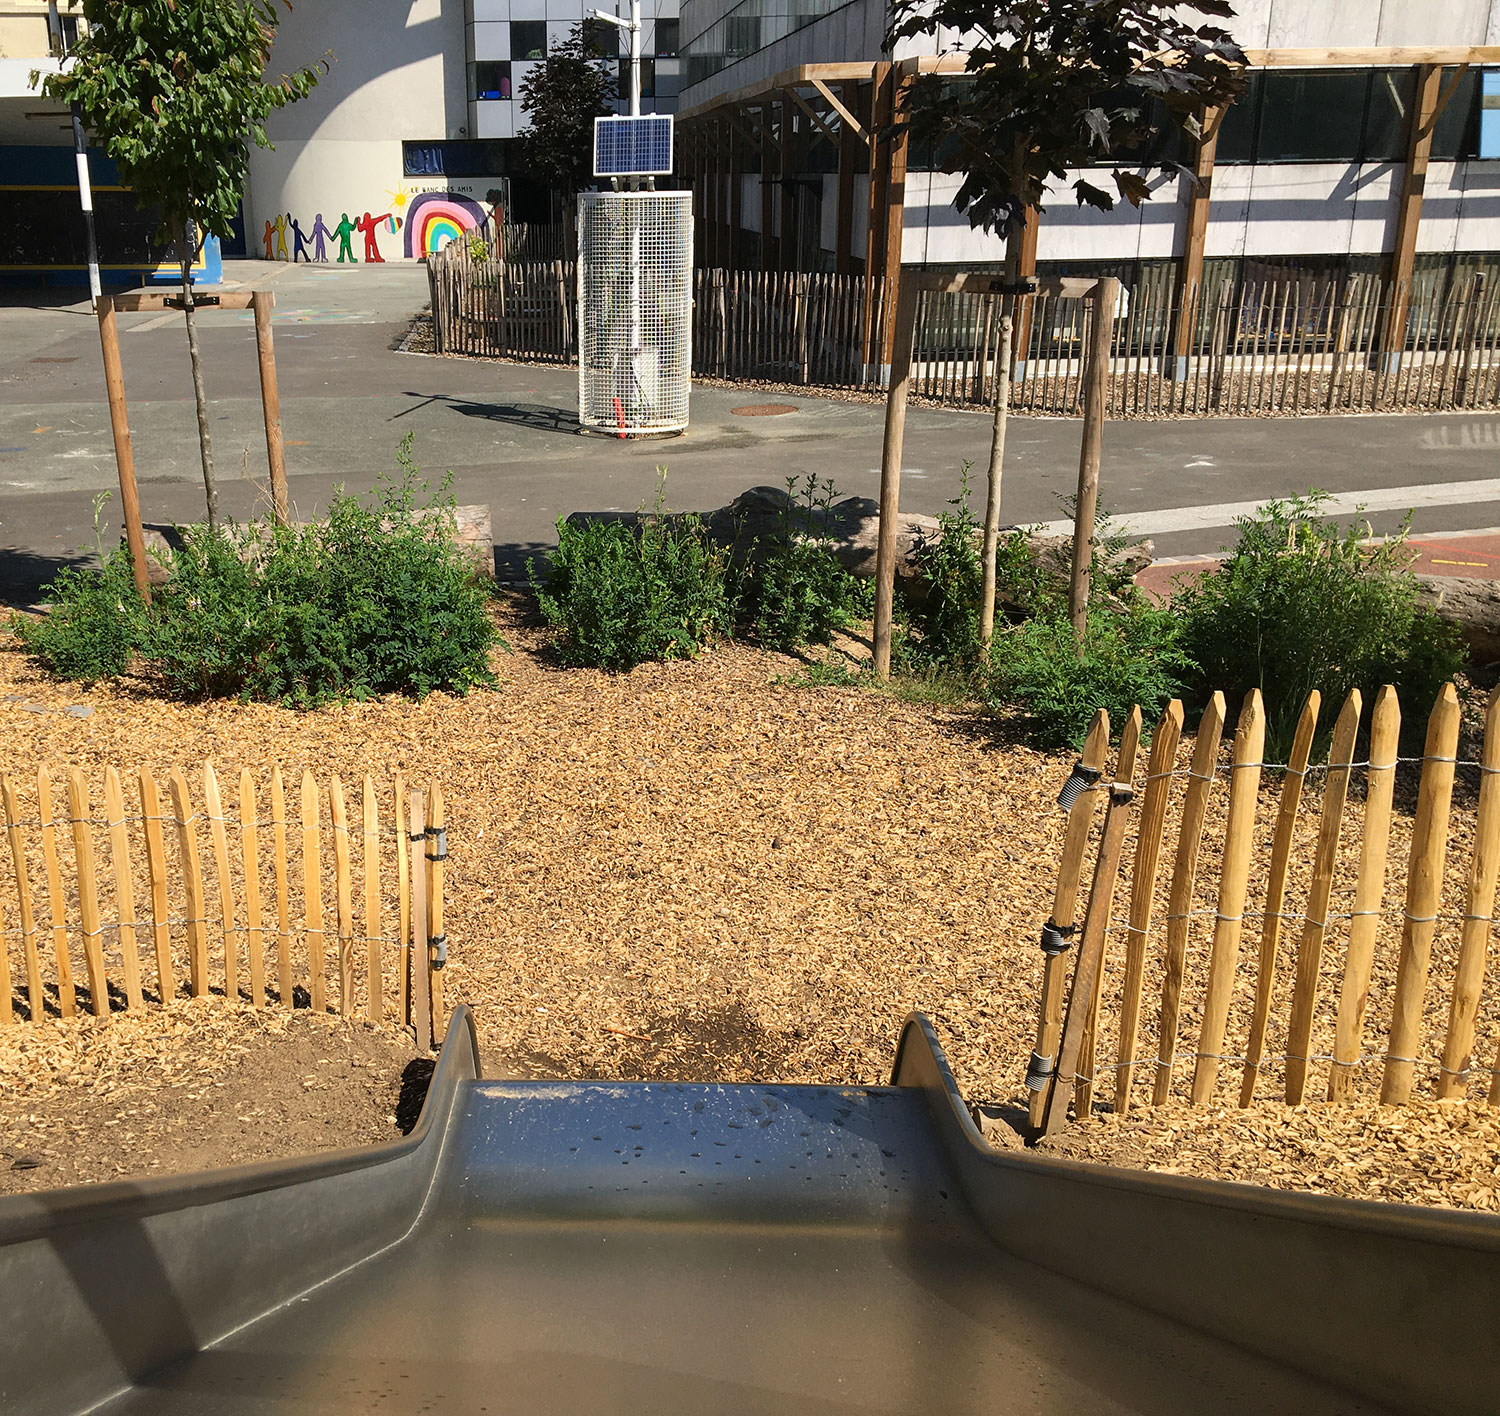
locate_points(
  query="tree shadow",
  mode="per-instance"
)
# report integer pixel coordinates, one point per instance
(540, 417)
(25, 574)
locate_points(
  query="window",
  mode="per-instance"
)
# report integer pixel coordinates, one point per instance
(492, 79)
(601, 40)
(1311, 117)
(1392, 93)
(528, 39)
(1237, 128)
(474, 157)
(648, 80)
(1455, 135)
(667, 32)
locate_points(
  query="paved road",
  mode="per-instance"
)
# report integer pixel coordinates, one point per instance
(509, 435)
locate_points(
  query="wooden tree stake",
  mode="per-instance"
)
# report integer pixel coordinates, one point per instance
(213, 808)
(67, 994)
(312, 894)
(375, 1002)
(344, 895)
(33, 958)
(119, 853)
(284, 986)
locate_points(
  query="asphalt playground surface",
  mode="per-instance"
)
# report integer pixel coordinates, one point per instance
(509, 436)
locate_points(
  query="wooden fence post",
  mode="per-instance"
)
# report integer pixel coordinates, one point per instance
(213, 808)
(1180, 897)
(343, 894)
(33, 958)
(1130, 741)
(1458, 1048)
(1369, 890)
(403, 905)
(312, 895)
(437, 938)
(192, 874)
(1064, 910)
(375, 981)
(1315, 926)
(1234, 878)
(88, 891)
(284, 987)
(1159, 777)
(119, 855)
(67, 994)
(421, 995)
(156, 865)
(1090, 957)
(255, 919)
(1424, 884)
(1281, 856)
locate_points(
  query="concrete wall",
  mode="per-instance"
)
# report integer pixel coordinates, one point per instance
(398, 74)
(1316, 24)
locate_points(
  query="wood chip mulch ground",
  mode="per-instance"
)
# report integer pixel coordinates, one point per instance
(705, 870)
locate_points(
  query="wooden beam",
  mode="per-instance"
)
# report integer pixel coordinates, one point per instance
(138, 301)
(790, 149)
(1195, 232)
(1388, 57)
(843, 240)
(802, 76)
(896, 197)
(736, 197)
(1420, 123)
(880, 115)
(845, 115)
(767, 188)
(817, 119)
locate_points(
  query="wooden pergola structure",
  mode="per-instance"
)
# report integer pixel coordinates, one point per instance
(858, 107)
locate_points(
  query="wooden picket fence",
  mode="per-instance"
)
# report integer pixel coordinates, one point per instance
(254, 920)
(1261, 345)
(1334, 964)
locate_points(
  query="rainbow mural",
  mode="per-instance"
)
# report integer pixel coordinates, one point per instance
(436, 218)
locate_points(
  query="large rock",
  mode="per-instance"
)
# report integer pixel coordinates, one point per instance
(1471, 604)
(475, 539)
(852, 527)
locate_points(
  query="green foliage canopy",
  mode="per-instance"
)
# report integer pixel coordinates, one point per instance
(1051, 86)
(562, 96)
(176, 90)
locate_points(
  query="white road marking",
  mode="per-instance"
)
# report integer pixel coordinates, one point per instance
(1193, 518)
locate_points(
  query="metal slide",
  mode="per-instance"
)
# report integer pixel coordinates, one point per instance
(658, 1249)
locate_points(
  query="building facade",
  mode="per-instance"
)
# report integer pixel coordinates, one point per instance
(1323, 164)
(409, 140)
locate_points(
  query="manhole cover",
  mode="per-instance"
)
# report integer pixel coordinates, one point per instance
(763, 410)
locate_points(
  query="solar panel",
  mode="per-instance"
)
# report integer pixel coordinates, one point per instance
(633, 147)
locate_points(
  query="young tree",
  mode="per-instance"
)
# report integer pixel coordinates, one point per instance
(562, 96)
(1051, 87)
(176, 89)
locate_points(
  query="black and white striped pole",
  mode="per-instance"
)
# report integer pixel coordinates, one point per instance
(86, 198)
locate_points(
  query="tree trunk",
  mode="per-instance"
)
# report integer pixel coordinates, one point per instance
(188, 251)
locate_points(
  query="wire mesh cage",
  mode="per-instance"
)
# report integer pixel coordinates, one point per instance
(635, 310)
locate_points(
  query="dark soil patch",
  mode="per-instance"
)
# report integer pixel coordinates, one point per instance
(195, 1086)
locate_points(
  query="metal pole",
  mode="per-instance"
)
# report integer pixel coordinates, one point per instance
(86, 199)
(635, 58)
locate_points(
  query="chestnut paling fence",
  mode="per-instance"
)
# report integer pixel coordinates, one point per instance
(114, 902)
(1309, 958)
(1264, 345)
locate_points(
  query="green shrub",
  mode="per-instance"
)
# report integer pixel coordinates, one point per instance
(940, 619)
(1300, 604)
(94, 625)
(624, 594)
(795, 592)
(1130, 655)
(378, 600)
